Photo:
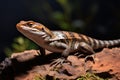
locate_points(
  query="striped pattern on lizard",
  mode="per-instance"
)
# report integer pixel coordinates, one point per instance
(64, 42)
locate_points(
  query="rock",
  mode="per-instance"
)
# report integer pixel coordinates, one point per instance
(107, 65)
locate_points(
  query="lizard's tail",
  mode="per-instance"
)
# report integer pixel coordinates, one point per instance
(107, 43)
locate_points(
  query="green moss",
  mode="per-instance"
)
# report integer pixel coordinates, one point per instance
(38, 78)
(87, 76)
(90, 76)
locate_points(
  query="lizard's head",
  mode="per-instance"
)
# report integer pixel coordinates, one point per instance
(31, 26)
(33, 30)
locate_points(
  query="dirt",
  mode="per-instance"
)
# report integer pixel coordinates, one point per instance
(29, 65)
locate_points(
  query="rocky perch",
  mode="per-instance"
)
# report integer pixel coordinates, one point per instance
(29, 65)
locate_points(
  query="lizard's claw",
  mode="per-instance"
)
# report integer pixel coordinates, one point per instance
(59, 61)
(90, 57)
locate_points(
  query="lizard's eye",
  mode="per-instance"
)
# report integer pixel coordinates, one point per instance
(30, 24)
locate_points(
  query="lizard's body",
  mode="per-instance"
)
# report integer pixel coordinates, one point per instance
(62, 41)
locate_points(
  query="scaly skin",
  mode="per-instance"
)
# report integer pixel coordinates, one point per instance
(62, 41)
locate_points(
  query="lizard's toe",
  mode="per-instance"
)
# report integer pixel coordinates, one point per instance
(90, 57)
(59, 61)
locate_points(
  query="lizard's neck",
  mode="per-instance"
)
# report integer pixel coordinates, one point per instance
(49, 32)
(45, 30)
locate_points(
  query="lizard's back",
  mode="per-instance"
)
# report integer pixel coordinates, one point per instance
(73, 37)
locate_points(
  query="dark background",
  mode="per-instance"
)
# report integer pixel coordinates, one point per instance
(101, 17)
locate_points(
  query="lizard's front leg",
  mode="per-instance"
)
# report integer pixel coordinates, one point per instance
(42, 51)
(64, 55)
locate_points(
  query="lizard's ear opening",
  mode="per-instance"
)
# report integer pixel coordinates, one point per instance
(42, 29)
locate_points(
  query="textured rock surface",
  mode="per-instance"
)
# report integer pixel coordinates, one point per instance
(107, 65)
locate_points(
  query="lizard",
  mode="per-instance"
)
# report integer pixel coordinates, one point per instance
(64, 42)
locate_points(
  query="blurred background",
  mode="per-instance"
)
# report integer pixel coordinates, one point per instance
(96, 18)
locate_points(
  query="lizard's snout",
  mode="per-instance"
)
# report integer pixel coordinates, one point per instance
(20, 24)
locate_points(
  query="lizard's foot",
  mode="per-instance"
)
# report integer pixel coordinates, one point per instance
(90, 57)
(59, 61)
